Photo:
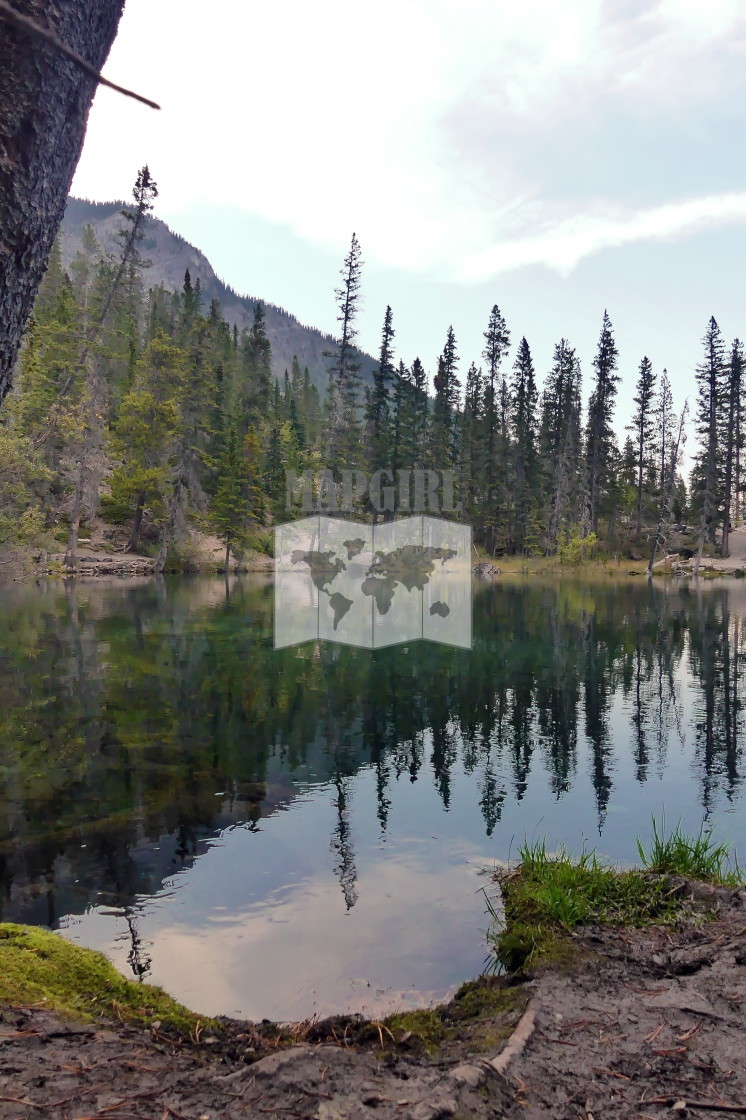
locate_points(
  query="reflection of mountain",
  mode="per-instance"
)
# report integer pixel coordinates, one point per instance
(135, 724)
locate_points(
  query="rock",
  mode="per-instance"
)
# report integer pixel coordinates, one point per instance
(484, 570)
(467, 1075)
(440, 1108)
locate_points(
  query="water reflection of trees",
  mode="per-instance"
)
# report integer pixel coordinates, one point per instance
(122, 715)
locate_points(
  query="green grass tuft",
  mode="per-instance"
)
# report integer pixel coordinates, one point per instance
(695, 857)
(551, 892)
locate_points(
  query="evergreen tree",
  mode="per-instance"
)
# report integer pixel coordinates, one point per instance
(524, 398)
(228, 509)
(377, 410)
(733, 393)
(560, 445)
(443, 440)
(711, 373)
(643, 427)
(496, 446)
(664, 434)
(471, 439)
(274, 473)
(256, 370)
(343, 434)
(600, 446)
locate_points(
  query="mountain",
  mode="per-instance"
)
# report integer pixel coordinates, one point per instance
(170, 256)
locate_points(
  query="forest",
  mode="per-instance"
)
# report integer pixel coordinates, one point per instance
(143, 408)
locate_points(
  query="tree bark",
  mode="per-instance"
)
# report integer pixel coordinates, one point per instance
(44, 104)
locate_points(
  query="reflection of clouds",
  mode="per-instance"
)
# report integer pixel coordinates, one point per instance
(295, 953)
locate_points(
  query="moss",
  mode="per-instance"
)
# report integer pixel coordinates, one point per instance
(425, 1026)
(40, 967)
(482, 1012)
(485, 996)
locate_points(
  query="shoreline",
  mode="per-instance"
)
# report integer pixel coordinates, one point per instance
(615, 1020)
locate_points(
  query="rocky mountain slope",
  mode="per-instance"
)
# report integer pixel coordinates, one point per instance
(171, 255)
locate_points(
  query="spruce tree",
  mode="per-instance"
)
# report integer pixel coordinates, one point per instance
(496, 449)
(524, 401)
(711, 375)
(377, 409)
(228, 509)
(600, 446)
(443, 448)
(560, 445)
(256, 370)
(343, 434)
(471, 440)
(733, 393)
(664, 428)
(643, 427)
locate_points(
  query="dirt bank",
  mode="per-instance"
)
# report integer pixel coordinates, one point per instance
(634, 1023)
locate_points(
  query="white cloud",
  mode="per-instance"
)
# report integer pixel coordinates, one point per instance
(333, 117)
(562, 246)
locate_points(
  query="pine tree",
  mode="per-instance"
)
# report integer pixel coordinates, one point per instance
(599, 433)
(733, 392)
(273, 473)
(443, 448)
(643, 427)
(343, 434)
(256, 370)
(560, 445)
(710, 383)
(496, 448)
(229, 507)
(664, 420)
(148, 436)
(377, 410)
(471, 439)
(524, 401)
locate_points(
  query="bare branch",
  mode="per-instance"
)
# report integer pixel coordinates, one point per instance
(25, 23)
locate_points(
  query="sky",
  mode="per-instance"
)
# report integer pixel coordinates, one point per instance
(555, 159)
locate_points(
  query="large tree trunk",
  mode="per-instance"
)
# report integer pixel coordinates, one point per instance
(44, 103)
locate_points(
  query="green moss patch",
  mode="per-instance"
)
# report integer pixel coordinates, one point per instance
(39, 967)
(479, 1018)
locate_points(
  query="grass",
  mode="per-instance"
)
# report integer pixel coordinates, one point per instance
(696, 857)
(42, 968)
(549, 893)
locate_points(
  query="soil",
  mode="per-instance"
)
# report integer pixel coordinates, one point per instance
(642, 1023)
(102, 551)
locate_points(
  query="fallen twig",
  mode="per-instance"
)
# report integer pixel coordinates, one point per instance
(707, 1106)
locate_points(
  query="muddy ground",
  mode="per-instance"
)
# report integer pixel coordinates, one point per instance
(642, 1023)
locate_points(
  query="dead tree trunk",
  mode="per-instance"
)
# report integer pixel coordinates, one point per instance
(44, 103)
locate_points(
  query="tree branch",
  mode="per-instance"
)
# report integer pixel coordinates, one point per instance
(25, 23)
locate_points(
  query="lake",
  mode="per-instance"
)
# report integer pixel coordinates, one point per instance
(286, 832)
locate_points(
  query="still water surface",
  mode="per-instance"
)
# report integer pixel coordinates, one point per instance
(280, 833)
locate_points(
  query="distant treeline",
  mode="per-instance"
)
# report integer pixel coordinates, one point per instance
(146, 408)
